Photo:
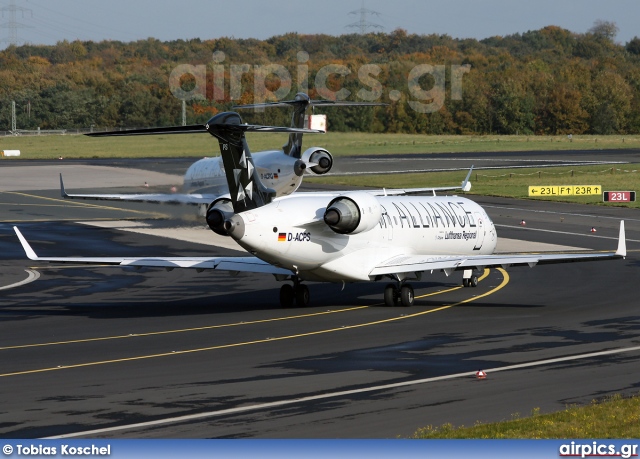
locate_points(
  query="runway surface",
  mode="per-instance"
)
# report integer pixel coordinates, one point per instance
(393, 164)
(106, 352)
(164, 173)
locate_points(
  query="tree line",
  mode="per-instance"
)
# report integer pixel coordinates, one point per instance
(547, 81)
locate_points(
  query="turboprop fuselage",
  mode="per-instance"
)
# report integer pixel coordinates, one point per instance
(293, 233)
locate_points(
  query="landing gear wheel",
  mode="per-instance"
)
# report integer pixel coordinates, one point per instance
(465, 282)
(390, 295)
(302, 295)
(287, 296)
(473, 282)
(406, 295)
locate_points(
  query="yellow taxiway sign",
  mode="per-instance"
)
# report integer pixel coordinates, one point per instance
(565, 190)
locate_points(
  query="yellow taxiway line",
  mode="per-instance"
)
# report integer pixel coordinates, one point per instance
(504, 282)
(77, 204)
(182, 330)
(212, 327)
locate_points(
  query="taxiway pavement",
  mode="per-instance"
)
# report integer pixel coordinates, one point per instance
(156, 354)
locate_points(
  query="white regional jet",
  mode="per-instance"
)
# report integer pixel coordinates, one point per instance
(355, 236)
(205, 183)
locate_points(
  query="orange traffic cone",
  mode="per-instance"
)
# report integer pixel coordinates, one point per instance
(593, 230)
(481, 374)
(523, 223)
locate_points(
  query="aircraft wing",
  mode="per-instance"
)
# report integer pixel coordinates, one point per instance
(464, 186)
(166, 198)
(233, 264)
(420, 263)
(404, 191)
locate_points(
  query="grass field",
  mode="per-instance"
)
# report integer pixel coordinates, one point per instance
(338, 143)
(510, 182)
(615, 417)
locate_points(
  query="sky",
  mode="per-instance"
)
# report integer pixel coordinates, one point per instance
(50, 21)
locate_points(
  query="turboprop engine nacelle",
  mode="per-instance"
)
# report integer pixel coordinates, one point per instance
(319, 160)
(353, 213)
(218, 212)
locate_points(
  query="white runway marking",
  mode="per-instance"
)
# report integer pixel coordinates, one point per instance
(573, 214)
(33, 275)
(262, 406)
(511, 160)
(506, 165)
(562, 232)
(22, 178)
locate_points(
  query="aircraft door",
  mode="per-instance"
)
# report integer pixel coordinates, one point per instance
(481, 231)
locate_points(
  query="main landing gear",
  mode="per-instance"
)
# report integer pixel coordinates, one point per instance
(401, 293)
(469, 279)
(298, 293)
(398, 293)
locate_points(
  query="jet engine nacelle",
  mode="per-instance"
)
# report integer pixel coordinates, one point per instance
(218, 212)
(353, 213)
(318, 160)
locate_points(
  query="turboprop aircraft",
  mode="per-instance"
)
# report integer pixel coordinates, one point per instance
(354, 236)
(205, 183)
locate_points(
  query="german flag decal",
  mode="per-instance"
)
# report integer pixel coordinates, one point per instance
(282, 237)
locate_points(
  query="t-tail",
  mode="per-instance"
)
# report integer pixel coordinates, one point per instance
(300, 103)
(245, 187)
(246, 190)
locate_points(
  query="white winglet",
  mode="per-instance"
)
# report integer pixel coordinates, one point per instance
(63, 193)
(622, 243)
(466, 184)
(25, 245)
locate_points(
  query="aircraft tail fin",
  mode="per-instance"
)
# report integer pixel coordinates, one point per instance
(246, 189)
(300, 103)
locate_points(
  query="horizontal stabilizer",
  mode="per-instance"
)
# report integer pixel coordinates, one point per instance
(199, 129)
(192, 129)
(300, 104)
(257, 128)
(312, 103)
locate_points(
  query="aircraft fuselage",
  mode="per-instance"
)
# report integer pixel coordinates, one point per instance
(276, 171)
(407, 225)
